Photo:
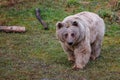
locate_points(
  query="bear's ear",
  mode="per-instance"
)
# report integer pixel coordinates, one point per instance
(59, 25)
(75, 23)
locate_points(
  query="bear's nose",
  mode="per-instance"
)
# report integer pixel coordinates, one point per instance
(70, 43)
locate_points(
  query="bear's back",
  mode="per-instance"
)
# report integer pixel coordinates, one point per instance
(94, 23)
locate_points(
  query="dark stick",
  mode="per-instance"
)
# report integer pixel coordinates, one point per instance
(38, 16)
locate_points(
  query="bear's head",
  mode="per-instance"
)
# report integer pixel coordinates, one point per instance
(70, 31)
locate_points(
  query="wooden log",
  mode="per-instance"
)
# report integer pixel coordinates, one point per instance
(12, 29)
(38, 16)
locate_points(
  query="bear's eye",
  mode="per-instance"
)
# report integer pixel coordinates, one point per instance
(75, 23)
(66, 35)
(72, 34)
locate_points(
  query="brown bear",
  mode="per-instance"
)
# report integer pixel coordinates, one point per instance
(81, 37)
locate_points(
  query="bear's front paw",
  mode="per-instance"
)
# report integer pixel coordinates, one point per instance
(77, 67)
(71, 59)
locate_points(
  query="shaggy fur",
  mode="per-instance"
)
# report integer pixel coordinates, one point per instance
(81, 37)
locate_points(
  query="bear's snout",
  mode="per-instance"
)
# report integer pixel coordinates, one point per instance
(70, 43)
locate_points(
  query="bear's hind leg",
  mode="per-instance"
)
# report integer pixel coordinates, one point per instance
(96, 48)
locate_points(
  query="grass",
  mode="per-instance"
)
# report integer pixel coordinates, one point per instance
(37, 54)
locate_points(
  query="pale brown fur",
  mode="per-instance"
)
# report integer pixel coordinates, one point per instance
(81, 37)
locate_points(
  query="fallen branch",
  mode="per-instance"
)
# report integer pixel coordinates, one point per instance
(12, 29)
(38, 16)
